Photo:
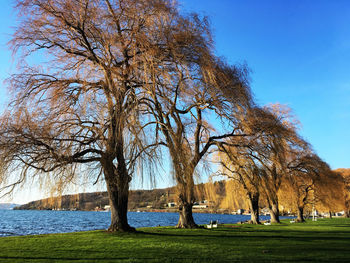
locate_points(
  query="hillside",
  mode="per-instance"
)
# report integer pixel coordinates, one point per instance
(157, 198)
(220, 197)
(138, 199)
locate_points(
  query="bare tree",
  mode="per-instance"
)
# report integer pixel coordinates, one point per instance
(190, 91)
(345, 174)
(328, 194)
(82, 107)
(305, 171)
(275, 137)
(272, 160)
(239, 165)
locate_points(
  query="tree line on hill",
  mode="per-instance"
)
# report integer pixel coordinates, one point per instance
(156, 198)
(122, 83)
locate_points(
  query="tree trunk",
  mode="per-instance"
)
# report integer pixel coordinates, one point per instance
(300, 215)
(118, 192)
(185, 188)
(185, 216)
(274, 213)
(347, 209)
(330, 214)
(254, 208)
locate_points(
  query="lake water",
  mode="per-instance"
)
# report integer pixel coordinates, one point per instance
(33, 222)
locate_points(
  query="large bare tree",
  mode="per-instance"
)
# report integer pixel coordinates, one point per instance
(275, 137)
(257, 160)
(81, 104)
(328, 194)
(196, 101)
(305, 171)
(345, 175)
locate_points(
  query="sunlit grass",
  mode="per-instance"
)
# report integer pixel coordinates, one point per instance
(324, 240)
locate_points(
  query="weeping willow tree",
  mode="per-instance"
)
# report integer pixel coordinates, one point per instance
(345, 176)
(81, 108)
(239, 165)
(328, 195)
(305, 172)
(258, 160)
(195, 101)
(277, 138)
(235, 196)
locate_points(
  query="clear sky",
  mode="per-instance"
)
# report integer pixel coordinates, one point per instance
(6, 23)
(298, 51)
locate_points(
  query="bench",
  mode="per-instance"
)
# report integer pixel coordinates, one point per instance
(267, 223)
(213, 224)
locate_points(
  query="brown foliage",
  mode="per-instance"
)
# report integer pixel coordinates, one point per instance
(187, 93)
(83, 107)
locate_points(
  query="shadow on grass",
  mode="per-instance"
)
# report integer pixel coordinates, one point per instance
(71, 259)
(292, 235)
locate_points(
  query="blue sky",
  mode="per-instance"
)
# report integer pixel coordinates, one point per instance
(298, 51)
(6, 23)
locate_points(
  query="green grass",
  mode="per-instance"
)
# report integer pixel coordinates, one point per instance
(324, 240)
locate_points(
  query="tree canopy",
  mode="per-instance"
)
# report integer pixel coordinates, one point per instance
(117, 80)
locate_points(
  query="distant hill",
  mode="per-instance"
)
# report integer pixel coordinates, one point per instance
(138, 200)
(157, 198)
(7, 206)
(220, 198)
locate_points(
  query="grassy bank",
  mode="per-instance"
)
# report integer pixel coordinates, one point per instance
(324, 240)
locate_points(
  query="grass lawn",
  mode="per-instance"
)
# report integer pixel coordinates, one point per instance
(324, 240)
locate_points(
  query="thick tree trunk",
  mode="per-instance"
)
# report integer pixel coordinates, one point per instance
(185, 216)
(118, 200)
(185, 188)
(300, 215)
(347, 214)
(254, 208)
(117, 181)
(274, 213)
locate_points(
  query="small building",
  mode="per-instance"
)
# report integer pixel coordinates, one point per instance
(171, 204)
(240, 211)
(107, 208)
(202, 206)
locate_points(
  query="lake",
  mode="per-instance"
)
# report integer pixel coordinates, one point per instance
(34, 222)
